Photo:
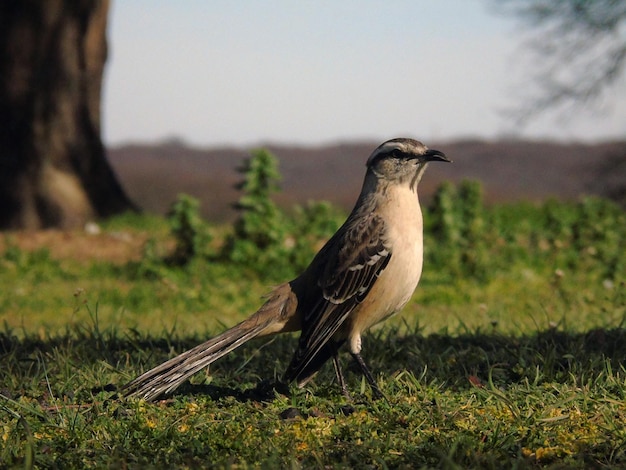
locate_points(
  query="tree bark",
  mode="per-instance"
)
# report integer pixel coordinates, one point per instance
(53, 168)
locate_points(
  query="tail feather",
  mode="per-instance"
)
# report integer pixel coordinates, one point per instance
(169, 375)
(277, 314)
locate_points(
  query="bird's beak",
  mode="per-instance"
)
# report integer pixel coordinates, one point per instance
(435, 156)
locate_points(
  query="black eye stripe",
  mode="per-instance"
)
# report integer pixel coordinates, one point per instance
(395, 153)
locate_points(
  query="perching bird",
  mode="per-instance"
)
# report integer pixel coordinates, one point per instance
(365, 273)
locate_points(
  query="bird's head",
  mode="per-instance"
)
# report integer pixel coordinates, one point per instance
(402, 160)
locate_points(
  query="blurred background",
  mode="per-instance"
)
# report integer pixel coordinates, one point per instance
(247, 73)
(126, 104)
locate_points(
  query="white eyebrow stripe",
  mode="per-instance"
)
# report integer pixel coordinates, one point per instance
(388, 147)
(391, 145)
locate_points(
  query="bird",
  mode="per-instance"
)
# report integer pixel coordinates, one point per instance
(366, 272)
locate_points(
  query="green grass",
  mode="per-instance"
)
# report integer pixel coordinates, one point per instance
(476, 399)
(521, 365)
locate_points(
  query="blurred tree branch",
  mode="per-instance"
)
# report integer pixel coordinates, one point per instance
(578, 49)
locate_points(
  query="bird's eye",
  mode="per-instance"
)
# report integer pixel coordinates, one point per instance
(397, 153)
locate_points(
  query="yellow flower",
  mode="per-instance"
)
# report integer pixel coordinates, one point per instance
(544, 453)
(191, 407)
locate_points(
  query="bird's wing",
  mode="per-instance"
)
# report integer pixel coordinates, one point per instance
(362, 254)
(354, 260)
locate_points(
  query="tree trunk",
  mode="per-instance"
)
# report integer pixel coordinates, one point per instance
(53, 168)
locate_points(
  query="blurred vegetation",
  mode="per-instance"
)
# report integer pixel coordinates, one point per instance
(465, 238)
(272, 243)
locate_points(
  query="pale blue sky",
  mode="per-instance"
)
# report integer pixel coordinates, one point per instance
(251, 72)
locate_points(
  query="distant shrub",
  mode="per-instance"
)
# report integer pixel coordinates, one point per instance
(191, 236)
(465, 237)
(599, 236)
(189, 230)
(456, 222)
(266, 239)
(260, 232)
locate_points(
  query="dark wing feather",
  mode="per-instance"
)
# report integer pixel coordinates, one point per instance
(355, 257)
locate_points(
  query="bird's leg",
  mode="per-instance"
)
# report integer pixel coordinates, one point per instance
(340, 378)
(376, 391)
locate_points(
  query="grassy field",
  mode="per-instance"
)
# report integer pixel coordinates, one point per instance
(511, 353)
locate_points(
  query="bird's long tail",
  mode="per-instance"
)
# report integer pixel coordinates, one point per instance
(276, 315)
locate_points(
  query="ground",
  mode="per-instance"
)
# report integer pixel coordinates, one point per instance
(79, 245)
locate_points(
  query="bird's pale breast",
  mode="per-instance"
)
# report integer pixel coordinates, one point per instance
(396, 284)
